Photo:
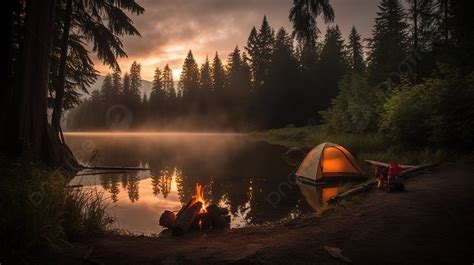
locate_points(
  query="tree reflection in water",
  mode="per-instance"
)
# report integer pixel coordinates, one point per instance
(236, 172)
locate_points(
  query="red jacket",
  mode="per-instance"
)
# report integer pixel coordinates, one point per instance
(394, 169)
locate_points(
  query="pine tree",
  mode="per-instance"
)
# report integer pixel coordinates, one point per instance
(168, 83)
(135, 84)
(218, 75)
(117, 88)
(218, 84)
(205, 86)
(247, 74)
(252, 49)
(304, 13)
(260, 47)
(157, 95)
(332, 66)
(189, 82)
(355, 52)
(106, 91)
(234, 70)
(280, 97)
(126, 88)
(171, 98)
(389, 43)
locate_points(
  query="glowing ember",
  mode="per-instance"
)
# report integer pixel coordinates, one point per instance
(199, 197)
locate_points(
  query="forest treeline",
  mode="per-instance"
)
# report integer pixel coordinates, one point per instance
(350, 84)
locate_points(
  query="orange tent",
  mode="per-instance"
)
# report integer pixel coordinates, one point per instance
(328, 161)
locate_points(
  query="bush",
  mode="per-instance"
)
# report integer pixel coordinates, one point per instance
(39, 211)
(356, 107)
(438, 113)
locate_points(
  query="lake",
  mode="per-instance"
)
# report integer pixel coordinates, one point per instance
(248, 177)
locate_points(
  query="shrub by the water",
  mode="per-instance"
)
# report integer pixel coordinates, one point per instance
(438, 113)
(356, 107)
(40, 212)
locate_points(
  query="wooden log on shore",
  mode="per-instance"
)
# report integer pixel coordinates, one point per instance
(378, 163)
(366, 186)
(409, 172)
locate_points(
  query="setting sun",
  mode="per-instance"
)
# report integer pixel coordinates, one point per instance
(176, 74)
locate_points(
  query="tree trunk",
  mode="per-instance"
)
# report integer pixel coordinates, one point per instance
(415, 36)
(446, 28)
(32, 131)
(59, 87)
(6, 71)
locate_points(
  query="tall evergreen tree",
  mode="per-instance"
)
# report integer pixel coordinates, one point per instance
(117, 88)
(388, 45)
(280, 98)
(134, 95)
(171, 103)
(218, 84)
(260, 47)
(189, 82)
(218, 74)
(205, 86)
(355, 52)
(303, 15)
(168, 83)
(157, 96)
(125, 88)
(107, 89)
(332, 66)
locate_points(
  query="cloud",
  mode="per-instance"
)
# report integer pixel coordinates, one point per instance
(170, 28)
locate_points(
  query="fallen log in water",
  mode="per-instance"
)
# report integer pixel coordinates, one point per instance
(366, 186)
(100, 173)
(114, 168)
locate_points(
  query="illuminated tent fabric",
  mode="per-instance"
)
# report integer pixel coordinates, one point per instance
(328, 161)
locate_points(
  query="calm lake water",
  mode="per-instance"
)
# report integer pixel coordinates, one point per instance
(246, 176)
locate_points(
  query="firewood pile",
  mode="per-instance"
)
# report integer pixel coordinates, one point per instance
(195, 215)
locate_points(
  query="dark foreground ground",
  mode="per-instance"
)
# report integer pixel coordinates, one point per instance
(431, 223)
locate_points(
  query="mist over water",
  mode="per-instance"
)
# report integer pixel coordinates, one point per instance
(236, 171)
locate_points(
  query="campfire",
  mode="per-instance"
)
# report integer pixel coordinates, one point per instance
(196, 215)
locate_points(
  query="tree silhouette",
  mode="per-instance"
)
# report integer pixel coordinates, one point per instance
(260, 48)
(303, 15)
(205, 87)
(189, 83)
(332, 66)
(388, 45)
(355, 52)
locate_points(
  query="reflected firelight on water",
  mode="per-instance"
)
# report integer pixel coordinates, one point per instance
(235, 171)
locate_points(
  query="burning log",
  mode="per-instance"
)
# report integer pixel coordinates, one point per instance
(187, 217)
(194, 215)
(167, 219)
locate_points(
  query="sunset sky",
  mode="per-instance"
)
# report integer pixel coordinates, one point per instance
(170, 28)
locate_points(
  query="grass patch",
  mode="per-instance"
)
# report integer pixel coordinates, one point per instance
(40, 212)
(363, 146)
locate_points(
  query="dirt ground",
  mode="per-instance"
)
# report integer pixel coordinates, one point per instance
(431, 223)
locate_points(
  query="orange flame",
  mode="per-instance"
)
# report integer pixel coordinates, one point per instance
(199, 197)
